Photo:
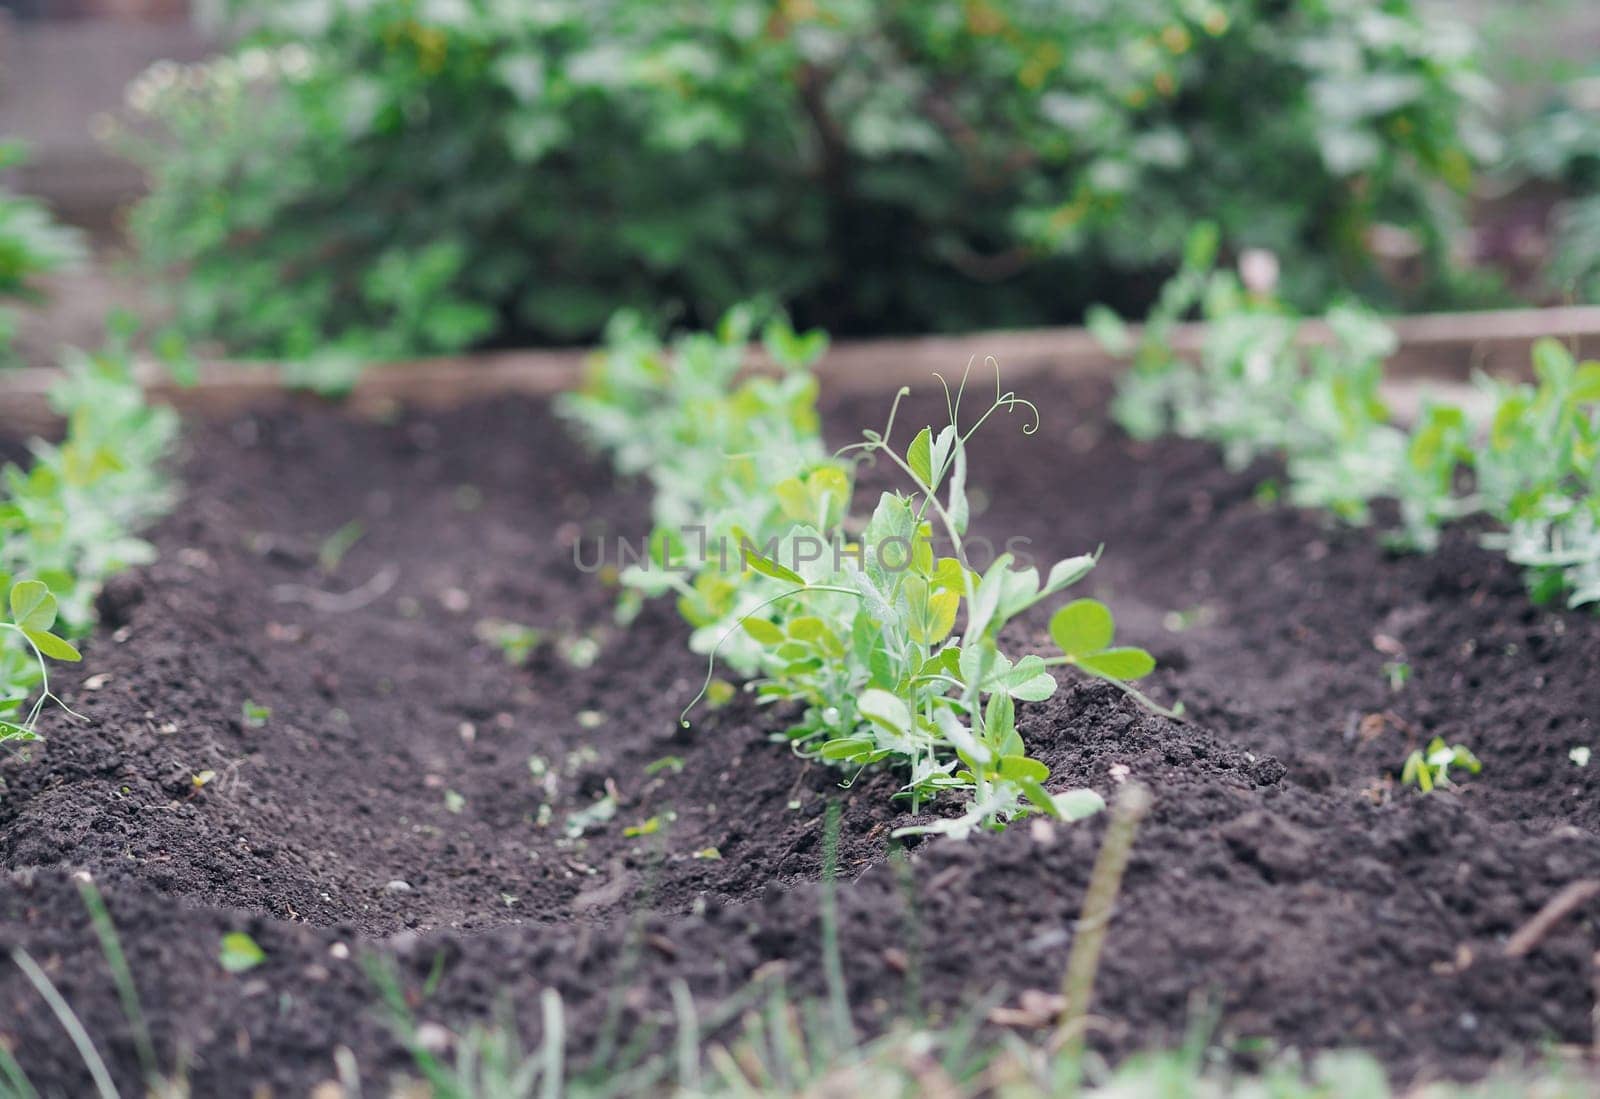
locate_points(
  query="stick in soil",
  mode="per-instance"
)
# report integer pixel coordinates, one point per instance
(1594, 1012)
(1077, 986)
(1556, 909)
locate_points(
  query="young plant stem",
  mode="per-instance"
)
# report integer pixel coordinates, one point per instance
(45, 694)
(1105, 882)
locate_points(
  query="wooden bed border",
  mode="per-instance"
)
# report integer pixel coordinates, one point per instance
(1444, 347)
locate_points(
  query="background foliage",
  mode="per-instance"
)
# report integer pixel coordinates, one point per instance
(420, 175)
(1560, 145)
(32, 243)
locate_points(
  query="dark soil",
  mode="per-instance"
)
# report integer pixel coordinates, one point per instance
(390, 806)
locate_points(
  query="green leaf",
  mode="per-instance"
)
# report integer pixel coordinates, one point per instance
(791, 349)
(939, 453)
(794, 499)
(886, 709)
(953, 729)
(999, 718)
(932, 613)
(763, 631)
(960, 508)
(1109, 331)
(766, 566)
(10, 730)
(919, 456)
(1017, 768)
(946, 661)
(1082, 626)
(809, 628)
(1078, 804)
(831, 486)
(59, 581)
(848, 748)
(52, 646)
(986, 599)
(1028, 681)
(1063, 574)
(32, 606)
(1040, 797)
(1200, 246)
(1019, 590)
(240, 953)
(1551, 360)
(1119, 663)
(1586, 383)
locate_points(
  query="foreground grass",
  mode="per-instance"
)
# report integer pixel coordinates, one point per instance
(765, 1042)
(772, 1057)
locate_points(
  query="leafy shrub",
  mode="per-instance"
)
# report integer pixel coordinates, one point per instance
(32, 243)
(406, 176)
(1561, 145)
(1257, 389)
(850, 621)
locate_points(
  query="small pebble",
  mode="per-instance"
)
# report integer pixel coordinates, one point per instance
(397, 886)
(433, 1038)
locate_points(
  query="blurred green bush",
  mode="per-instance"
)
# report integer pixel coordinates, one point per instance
(1561, 145)
(400, 176)
(32, 243)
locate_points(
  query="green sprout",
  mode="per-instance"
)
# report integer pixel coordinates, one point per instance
(334, 547)
(1429, 768)
(516, 642)
(33, 617)
(240, 953)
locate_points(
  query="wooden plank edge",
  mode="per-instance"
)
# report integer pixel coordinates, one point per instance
(1444, 346)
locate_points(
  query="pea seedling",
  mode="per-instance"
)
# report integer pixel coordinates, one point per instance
(33, 617)
(1254, 389)
(1428, 768)
(860, 635)
(67, 522)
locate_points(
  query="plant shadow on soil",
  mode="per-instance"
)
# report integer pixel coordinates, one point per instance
(390, 804)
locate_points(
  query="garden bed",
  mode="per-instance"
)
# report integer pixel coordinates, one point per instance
(389, 804)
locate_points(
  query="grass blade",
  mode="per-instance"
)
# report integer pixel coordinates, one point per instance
(69, 1022)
